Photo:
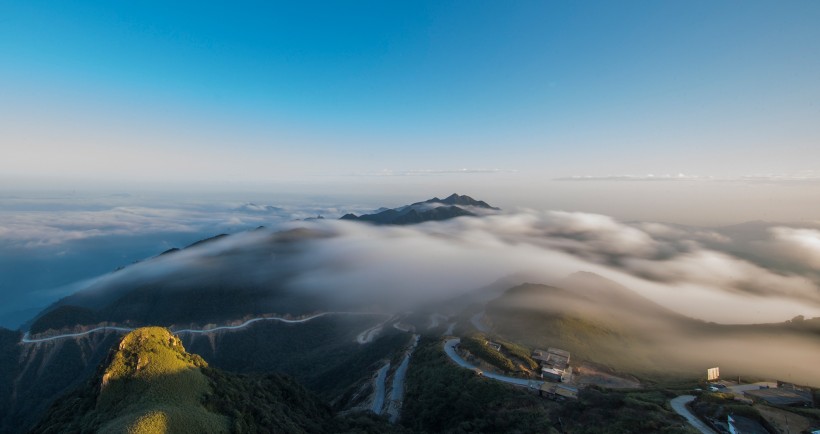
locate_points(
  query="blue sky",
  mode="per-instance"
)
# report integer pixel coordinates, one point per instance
(338, 95)
(695, 112)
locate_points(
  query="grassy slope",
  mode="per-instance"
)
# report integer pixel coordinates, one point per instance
(150, 384)
(634, 336)
(591, 331)
(477, 344)
(322, 354)
(153, 385)
(587, 339)
(615, 412)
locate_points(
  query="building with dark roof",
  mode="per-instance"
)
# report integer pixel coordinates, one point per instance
(744, 425)
(553, 357)
(781, 396)
(554, 364)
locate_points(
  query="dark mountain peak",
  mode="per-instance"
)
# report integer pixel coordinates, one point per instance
(462, 200)
(169, 251)
(206, 240)
(434, 209)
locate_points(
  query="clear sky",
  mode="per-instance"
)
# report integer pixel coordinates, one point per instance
(491, 98)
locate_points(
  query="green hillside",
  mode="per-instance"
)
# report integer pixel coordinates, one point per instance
(445, 398)
(607, 324)
(591, 332)
(150, 384)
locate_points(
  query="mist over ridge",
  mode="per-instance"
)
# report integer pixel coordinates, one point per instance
(693, 271)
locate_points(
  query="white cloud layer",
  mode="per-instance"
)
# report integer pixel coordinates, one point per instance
(51, 227)
(808, 176)
(409, 266)
(798, 244)
(429, 172)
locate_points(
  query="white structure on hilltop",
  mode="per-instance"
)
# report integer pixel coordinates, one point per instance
(554, 364)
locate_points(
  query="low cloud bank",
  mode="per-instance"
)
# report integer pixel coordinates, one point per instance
(676, 267)
(753, 274)
(692, 271)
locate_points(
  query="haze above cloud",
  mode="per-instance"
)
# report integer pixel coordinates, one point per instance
(492, 98)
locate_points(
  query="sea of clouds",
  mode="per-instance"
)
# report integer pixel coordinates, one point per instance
(757, 272)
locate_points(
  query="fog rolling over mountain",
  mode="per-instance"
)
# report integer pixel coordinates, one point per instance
(335, 302)
(321, 265)
(258, 272)
(601, 321)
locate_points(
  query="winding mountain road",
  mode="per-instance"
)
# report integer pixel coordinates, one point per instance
(449, 348)
(397, 386)
(27, 340)
(679, 405)
(379, 389)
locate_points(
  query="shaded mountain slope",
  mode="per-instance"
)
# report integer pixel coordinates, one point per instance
(321, 354)
(215, 280)
(226, 277)
(9, 369)
(38, 374)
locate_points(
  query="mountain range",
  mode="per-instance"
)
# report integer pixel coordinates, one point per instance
(434, 209)
(230, 349)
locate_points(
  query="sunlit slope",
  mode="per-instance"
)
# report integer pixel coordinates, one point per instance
(544, 316)
(154, 385)
(599, 321)
(150, 385)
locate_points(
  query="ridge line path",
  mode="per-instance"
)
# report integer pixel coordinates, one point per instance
(679, 405)
(27, 340)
